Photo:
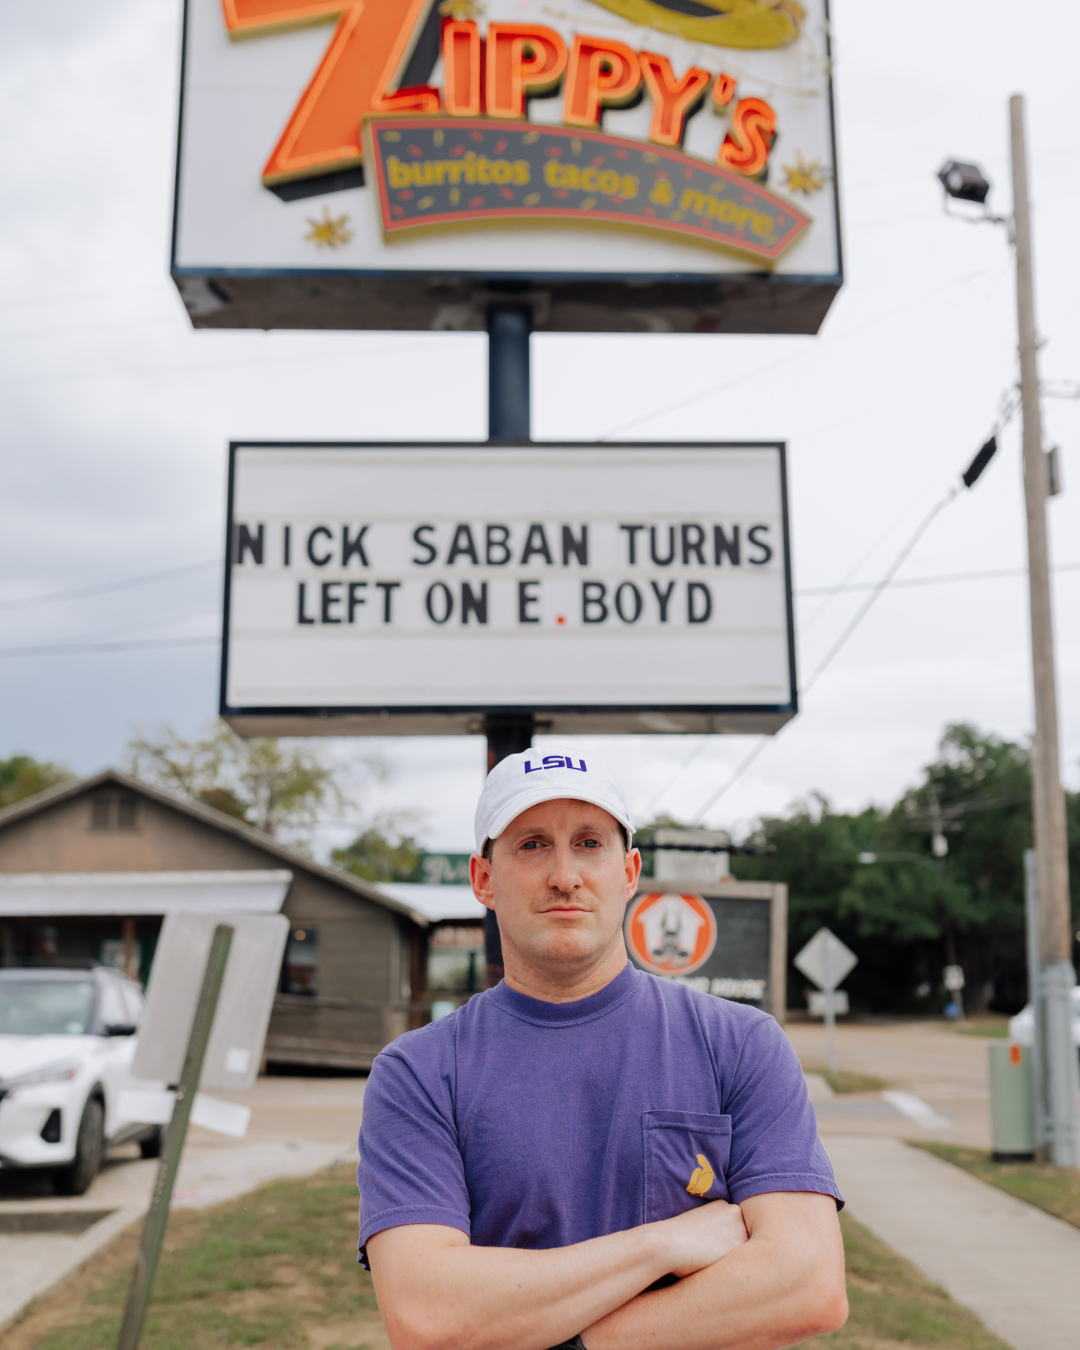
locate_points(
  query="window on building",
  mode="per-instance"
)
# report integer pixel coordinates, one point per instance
(300, 969)
(456, 959)
(113, 811)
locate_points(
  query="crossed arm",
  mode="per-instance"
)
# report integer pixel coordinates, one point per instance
(758, 1276)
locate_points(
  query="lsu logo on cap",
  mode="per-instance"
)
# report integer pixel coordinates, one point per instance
(556, 762)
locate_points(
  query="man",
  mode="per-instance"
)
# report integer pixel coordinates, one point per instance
(588, 1153)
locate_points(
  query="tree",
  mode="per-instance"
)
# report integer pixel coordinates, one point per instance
(268, 783)
(21, 776)
(909, 915)
(374, 856)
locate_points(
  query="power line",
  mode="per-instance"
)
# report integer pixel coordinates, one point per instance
(946, 579)
(107, 586)
(837, 646)
(85, 648)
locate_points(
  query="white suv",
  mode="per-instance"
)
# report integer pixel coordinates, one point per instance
(67, 1041)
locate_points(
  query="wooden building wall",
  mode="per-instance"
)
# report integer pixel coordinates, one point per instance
(369, 956)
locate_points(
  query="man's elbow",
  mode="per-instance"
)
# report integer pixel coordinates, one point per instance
(826, 1309)
(417, 1328)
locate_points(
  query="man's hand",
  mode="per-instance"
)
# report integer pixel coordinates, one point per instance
(707, 1233)
(783, 1286)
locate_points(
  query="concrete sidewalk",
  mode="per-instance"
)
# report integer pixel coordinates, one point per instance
(298, 1126)
(1015, 1266)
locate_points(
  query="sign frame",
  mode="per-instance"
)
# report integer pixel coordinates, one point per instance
(774, 894)
(472, 719)
(753, 300)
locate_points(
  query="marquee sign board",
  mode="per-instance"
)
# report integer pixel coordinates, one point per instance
(728, 939)
(414, 589)
(626, 164)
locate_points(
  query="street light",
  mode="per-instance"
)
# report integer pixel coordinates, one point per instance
(966, 182)
(1052, 999)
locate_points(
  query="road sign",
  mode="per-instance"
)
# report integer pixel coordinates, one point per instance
(826, 960)
(243, 1008)
(416, 589)
(952, 977)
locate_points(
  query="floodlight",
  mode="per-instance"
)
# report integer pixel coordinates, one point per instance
(965, 182)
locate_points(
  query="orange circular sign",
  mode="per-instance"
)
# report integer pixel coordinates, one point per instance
(670, 934)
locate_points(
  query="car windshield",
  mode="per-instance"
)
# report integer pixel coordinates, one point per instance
(45, 1007)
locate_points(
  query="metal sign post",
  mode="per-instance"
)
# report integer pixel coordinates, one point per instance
(827, 962)
(142, 1280)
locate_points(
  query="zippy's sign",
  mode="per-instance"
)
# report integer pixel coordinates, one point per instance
(640, 163)
(630, 589)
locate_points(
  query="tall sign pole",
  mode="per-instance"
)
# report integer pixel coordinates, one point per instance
(1051, 853)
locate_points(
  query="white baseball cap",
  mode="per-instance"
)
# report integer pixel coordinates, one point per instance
(534, 776)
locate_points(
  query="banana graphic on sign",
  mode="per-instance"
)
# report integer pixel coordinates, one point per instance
(751, 25)
(703, 1176)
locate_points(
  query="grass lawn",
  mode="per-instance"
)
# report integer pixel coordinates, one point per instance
(843, 1082)
(991, 1025)
(277, 1269)
(1057, 1190)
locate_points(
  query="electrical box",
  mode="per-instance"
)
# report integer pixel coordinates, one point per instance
(1012, 1102)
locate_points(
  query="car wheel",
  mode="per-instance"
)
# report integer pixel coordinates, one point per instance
(150, 1147)
(89, 1149)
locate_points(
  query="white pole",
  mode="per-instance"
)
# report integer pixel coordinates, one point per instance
(830, 1011)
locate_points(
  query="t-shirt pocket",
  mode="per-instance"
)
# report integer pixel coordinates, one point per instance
(686, 1161)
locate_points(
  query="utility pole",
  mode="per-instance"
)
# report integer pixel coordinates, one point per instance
(1052, 1001)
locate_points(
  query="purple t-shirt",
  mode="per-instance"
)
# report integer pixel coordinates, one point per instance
(530, 1124)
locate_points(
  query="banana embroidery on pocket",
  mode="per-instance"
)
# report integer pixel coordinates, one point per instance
(703, 1176)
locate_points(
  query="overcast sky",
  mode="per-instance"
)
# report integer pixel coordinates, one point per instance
(117, 414)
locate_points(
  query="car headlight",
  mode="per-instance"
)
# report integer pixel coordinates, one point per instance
(48, 1073)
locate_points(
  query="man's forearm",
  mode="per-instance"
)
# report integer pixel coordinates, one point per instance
(438, 1292)
(492, 1298)
(783, 1286)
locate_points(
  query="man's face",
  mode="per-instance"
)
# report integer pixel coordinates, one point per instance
(559, 882)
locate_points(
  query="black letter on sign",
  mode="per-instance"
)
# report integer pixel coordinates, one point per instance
(631, 537)
(766, 551)
(246, 542)
(693, 613)
(473, 604)
(355, 598)
(526, 598)
(463, 544)
(578, 547)
(536, 543)
(495, 538)
(592, 598)
(286, 545)
(432, 552)
(693, 541)
(328, 599)
(721, 545)
(388, 588)
(351, 546)
(447, 602)
(637, 602)
(662, 562)
(663, 598)
(319, 529)
(301, 617)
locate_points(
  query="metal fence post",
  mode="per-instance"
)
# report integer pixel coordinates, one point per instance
(142, 1279)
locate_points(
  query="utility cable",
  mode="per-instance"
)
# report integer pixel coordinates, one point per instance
(106, 587)
(838, 645)
(81, 648)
